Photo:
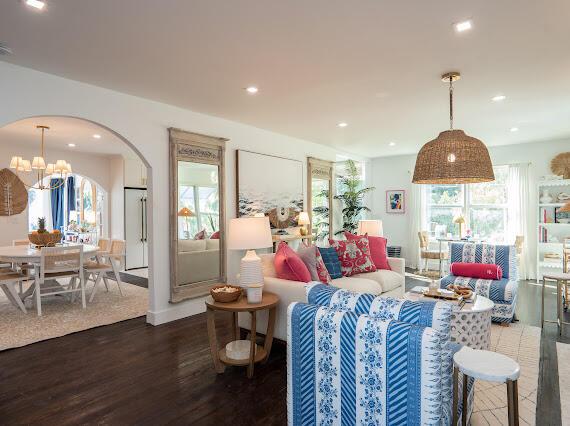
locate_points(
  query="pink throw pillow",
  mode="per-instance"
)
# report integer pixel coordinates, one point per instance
(215, 236)
(322, 271)
(354, 256)
(289, 266)
(200, 235)
(378, 250)
(477, 270)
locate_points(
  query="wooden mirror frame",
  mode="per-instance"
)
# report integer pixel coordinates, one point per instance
(195, 148)
(321, 170)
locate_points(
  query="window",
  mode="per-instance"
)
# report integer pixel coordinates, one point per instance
(482, 205)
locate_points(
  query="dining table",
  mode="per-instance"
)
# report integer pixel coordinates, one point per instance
(28, 254)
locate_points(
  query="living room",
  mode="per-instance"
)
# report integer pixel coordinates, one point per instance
(283, 146)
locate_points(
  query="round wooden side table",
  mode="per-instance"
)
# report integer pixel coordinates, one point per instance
(256, 352)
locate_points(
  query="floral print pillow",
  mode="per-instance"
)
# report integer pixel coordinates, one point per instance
(354, 256)
(322, 271)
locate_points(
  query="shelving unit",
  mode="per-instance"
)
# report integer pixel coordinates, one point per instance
(548, 231)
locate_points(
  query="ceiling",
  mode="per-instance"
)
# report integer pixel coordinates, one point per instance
(374, 64)
(63, 131)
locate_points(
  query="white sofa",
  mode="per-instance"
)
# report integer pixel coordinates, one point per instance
(198, 260)
(382, 282)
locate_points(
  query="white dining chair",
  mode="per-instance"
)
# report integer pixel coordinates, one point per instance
(104, 245)
(8, 283)
(57, 263)
(24, 268)
(107, 262)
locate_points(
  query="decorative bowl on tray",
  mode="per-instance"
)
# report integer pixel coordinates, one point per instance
(461, 290)
(225, 293)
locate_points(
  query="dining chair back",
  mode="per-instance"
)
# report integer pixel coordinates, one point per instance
(109, 262)
(25, 242)
(57, 263)
(424, 239)
(103, 244)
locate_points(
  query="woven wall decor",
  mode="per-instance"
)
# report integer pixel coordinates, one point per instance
(560, 165)
(13, 194)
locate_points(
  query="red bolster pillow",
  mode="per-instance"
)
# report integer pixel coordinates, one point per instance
(477, 270)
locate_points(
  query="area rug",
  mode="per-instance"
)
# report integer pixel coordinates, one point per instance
(522, 343)
(60, 317)
(563, 355)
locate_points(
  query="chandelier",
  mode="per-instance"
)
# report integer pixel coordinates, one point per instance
(453, 157)
(60, 170)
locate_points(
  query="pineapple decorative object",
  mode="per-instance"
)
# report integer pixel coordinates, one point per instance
(42, 237)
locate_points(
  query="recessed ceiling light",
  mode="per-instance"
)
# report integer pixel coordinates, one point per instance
(71, 145)
(36, 4)
(514, 129)
(463, 26)
(498, 98)
(252, 90)
(342, 124)
(96, 136)
(392, 144)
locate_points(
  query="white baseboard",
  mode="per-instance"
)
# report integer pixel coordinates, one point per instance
(176, 312)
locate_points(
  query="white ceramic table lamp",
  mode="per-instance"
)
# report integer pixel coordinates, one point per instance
(250, 233)
(370, 227)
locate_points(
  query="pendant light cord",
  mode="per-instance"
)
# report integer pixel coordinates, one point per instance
(451, 102)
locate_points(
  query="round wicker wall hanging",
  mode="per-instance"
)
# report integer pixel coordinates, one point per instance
(560, 165)
(13, 194)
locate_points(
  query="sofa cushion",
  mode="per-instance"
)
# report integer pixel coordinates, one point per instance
(268, 265)
(212, 244)
(322, 272)
(309, 257)
(191, 245)
(378, 251)
(354, 256)
(289, 266)
(215, 235)
(359, 285)
(389, 280)
(330, 258)
(200, 235)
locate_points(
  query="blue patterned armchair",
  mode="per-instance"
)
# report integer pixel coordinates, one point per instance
(502, 292)
(345, 368)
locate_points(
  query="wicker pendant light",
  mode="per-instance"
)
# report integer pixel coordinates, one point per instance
(453, 157)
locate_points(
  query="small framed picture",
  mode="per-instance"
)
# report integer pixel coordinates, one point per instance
(396, 201)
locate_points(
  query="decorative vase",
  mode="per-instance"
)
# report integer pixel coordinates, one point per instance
(546, 198)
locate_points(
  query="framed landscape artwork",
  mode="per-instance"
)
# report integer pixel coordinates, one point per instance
(270, 185)
(396, 201)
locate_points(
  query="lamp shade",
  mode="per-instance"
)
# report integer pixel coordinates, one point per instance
(304, 218)
(15, 162)
(459, 219)
(186, 212)
(38, 163)
(50, 169)
(26, 166)
(370, 227)
(249, 233)
(453, 158)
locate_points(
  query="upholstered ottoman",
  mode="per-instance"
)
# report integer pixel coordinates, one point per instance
(502, 292)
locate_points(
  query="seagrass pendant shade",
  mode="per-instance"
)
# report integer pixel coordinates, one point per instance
(453, 157)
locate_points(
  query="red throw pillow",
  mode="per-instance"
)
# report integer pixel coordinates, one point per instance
(477, 270)
(215, 236)
(378, 250)
(322, 271)
(289, 266)
(354, 256)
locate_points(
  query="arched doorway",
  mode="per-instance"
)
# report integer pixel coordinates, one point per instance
(104, 165)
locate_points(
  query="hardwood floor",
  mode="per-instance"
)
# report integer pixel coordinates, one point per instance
(133, 373)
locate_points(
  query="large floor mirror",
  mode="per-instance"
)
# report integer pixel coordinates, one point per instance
(197, 214)
(320, 201)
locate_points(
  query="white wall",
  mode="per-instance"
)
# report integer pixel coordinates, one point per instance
(96, 167)
(117, 197)
(144, 124)
(397, 172)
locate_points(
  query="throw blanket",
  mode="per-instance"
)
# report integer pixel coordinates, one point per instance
(358, 370)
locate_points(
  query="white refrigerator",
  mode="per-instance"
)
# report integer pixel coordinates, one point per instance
(136, 230)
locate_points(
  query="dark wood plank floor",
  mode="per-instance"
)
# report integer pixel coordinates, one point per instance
(133, 373)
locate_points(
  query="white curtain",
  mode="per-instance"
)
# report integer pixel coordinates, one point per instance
(518, 208)
(417, 210)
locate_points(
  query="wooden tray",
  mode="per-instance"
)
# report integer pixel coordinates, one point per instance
(444, 296)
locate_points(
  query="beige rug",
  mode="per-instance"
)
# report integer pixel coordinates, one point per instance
(563, 355)
(522, 343)
(60, 317)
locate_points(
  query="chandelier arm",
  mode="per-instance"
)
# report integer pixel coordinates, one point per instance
(41, 187)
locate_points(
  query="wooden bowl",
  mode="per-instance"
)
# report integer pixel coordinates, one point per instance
(44, 240)
(226, 296)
